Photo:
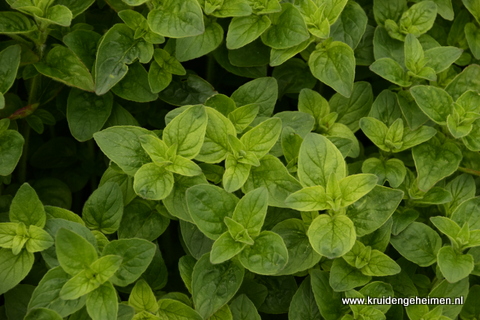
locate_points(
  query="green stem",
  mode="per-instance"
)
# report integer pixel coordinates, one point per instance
(468, 170)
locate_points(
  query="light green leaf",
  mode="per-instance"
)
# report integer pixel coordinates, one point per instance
(153, 182)
(15, 23)
(418, 243)
(208, 206)
(308, 199)
(380, 265)
(243, 30)
(87, 113)
(215, 146)
(414, 55)
(388, 10)
(42, 314)
(334, 64)
(391, 70)
(175, 19)
(158, 78)
(434, 161)
(213, 285)
(184, 167)
(14, 268)
(26, 207)
(350, 26)
(103, 210)
(392, 170)
(58, 14)
(267, 256)
(263, 137)
(243, 116)
(76, 7)
(473, 8)
(454, 265)
(272, 175)
(251, 211)
(142, 298)
(38, 239)
(136, 256)
(225, 248)
(261, 91)
(173, 309)
(440, 58)
(318, 158)
(332, 236)
(122, 145)
(344, 277)
(434, 102)
(356, 186)
(187, 131)
(288, 29)
(194, 47)
(102, 303)
(74, 253)
(419, 18)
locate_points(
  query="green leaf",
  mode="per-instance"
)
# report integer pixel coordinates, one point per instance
(473, 8)
(75, 7)
(344, 277)
(175, 19)
(418, 243)
(208, 206)
(215, 146)
(392, 170)
(173, 309)
(116, 50)
(308, 199)
(47, 294)
(419, 18)
(153, 182)
(184, 167)
(263, 137)
(134, 85)
(261, 91)
(42, 314)
(351, 109)
(356, 186)
(243, 116)
(279, 56)
(454, 265)
(142, 298)
(213, 285)
(435, 102)
(136, 256)
(388, 10)
(301, 255)
(26, 207)
(194, 47)
(251, 210)
(74, 253)
(391, 70)
(237, 231)
(225, 248)
(38, 239)
(272, 175)
(446, 226)
(373, 210)
(14, 268)
(90, 278)
(176, 203)
(434, 161)
(11, 147)
(9, 63)
(87, 113)
(333, 63)
(380, 265)
(267, 256)
(158, 78)
(243, 308)
(440, 58)
(288, 29)
(350, 26)
(169, 63)
(332, 236)
(303, 305)
(244, 30)
(122, 145)
(102, 303)
(15, 23)
(328, 301)
(318, 159)
(103, 210)
(187, 131)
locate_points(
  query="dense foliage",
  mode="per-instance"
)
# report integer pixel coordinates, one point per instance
(238, 159)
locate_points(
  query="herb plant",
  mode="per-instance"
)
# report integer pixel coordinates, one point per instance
(239, 159)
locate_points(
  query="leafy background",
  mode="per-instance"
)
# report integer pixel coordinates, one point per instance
(238, 159)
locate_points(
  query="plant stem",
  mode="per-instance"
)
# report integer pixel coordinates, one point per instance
(468, 170)
(211, 69)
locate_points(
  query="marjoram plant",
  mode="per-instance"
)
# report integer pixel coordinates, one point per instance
(239, 159)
